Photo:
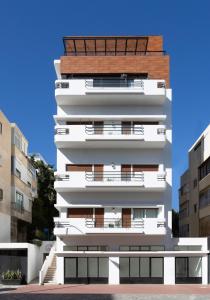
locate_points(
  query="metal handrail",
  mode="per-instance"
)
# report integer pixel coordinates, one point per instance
(114, 53)
(62, 131)
(126, 130)
(161, 177)
(101, 222)
(114, 176)
(62, 177)
(161, 131)
(62, 85)
(114, 83)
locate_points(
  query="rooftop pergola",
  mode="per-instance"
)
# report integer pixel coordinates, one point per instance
(106, 46)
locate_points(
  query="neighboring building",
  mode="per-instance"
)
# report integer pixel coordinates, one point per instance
(194, 193)
(18, 183)
(5, 179)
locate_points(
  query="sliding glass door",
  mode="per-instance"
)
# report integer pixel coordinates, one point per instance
(86, 270)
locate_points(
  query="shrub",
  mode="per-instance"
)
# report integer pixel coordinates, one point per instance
(11, 274)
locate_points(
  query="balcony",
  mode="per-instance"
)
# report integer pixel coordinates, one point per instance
(110, 91)
(110, 135)
(110, 181)
(81, 226)
(18, 211)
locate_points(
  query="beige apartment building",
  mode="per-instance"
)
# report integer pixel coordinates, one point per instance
(194, 192)
(18, 184)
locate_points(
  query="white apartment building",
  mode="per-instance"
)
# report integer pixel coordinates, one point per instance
(114, 176)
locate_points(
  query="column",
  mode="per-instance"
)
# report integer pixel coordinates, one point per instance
(169, 270)
(114, 270)
(60, 270)
(205, 269)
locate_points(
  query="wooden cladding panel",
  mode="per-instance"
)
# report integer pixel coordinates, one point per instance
(145, 123)
(126, 217)
(80, 213)
(98, 172)
(126, 127)
(78, 123)
(142, 168)
(79, 168)
(99, 217)
(98, 127)
(125, 168)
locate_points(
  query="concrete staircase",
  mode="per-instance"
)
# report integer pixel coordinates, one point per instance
(50, 277)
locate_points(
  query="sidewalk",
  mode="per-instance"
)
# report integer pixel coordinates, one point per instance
(154, 289)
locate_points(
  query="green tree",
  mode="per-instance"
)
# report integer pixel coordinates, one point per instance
(43, 209)
(175, 223)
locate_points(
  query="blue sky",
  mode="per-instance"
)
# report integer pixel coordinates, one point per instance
(31, 38)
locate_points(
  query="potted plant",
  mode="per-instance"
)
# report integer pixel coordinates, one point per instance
(11, 277)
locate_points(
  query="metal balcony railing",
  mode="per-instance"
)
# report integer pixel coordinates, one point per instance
(62, 177)
(114, 83)
(62, 85)
(114, 176)
(113, 223)
(18, 207)
(109, 176)
(62, 131)
(114, 129)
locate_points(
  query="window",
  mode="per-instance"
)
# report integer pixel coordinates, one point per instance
(204, 198)
(184, 209)
(142, 248)
(195, 182)
(204, 169)
(29, 184)
(17, 173)
(18, 141)
(19, 201)
(85, 248)
(139, 213)
(1, 194)
(1, 128)
(195, 208)
(197, 146)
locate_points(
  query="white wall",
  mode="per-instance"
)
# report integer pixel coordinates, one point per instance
(34, 262)
(5, 228)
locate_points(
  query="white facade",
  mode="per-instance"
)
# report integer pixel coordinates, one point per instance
(113, 183)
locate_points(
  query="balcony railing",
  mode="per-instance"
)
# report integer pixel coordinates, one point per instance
(113, 223)
(114, 129)
(18, 207)
(108, 83)
(114, 83)
(114, 176)
(111, 176)
(78, 226)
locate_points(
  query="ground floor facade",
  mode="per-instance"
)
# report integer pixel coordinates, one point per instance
(116, 262)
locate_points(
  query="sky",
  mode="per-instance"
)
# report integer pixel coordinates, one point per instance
(31, 38)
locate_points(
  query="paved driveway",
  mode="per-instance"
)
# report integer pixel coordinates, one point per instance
(106, 292)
